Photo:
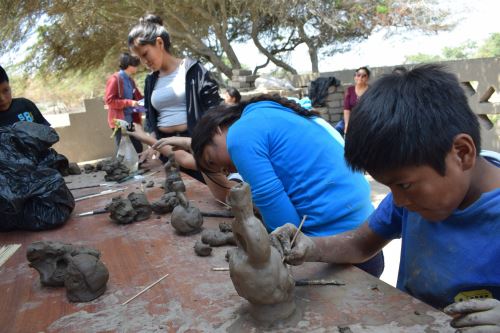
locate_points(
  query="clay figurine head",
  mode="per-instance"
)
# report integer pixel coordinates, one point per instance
(86, 278)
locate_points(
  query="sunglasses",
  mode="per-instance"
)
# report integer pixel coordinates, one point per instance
(361, 75)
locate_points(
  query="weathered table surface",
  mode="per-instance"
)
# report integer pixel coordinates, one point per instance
(193, 298)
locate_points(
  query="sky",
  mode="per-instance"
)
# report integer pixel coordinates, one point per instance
(476, 20)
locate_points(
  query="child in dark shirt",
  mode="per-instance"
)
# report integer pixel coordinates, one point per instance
(13, 110)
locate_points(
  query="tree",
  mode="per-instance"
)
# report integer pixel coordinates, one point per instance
(89, 34)
(491, 47)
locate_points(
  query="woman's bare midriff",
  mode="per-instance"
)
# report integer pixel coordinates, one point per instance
(173, 129)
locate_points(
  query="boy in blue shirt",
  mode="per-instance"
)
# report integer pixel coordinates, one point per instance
(416, 133)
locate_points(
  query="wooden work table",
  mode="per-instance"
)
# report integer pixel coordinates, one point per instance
(193, 298)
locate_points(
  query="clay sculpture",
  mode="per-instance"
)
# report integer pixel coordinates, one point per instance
(86, 278)
(172, 174)
(115, 169)
(256, 268)
(51, 260)
(121, 210)
(217, 238)
(186, 218)
(141, 206)
(165, 204)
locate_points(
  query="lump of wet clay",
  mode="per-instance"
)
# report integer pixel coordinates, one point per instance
(165, 204)
(115, 169)
(201, 249)
(85, 279)
(121, 210)
(256, 268)
(172, 174)
(88, 168)
(186, 218)
(74, 169)
(214, 237)
(51, 259)
(225, 227)
(150, 184)
(141, 206)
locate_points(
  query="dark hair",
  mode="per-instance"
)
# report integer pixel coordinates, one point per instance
(234, 93)
(126, 60)
(399, 70)
(224, 116)
(365, 69)
(147, 30)
(3, 75)
(409, 119)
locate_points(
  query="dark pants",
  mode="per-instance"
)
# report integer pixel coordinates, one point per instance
(137, 144)
(374, 266)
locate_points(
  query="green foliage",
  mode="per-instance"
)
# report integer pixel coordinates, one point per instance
(491, 47)
(467, 50)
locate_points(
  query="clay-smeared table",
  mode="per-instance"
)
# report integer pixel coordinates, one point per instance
(193, 297)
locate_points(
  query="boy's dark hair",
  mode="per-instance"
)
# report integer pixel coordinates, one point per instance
(126, 60)
(233, 92)
(409, 119)
(149, 28)
(225, 115)
(3, 75)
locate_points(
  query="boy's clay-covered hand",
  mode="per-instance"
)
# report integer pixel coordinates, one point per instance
(475, 316)
(303, 248)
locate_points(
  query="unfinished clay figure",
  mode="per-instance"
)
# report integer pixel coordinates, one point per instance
(186, 218)
(86, 278)
(51, 260)
(141, 206)
(165, 204)
(255, 267)
(115, 169)
(121, 210)
(172, 174)
(214, 237)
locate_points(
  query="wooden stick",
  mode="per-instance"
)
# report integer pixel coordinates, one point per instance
(220, 268)
(223, 203)
(296, 234)
(145, 289)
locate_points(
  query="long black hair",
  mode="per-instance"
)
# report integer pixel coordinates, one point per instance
(149, 28)
(223, 116)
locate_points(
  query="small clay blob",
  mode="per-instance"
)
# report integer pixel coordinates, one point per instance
(201, 249)
(51, 260)
(172, 175)
(85, 279)
(217, 238)
(150, 184)
(121, 210)
(165, 204)
(225, 227)
(141, 205)
(88, 168)
(115, 170)
(74, 169)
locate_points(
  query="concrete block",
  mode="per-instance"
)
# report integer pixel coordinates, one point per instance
(249, 78)
(241, 72)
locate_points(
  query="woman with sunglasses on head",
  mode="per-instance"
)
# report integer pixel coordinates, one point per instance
(352, 94)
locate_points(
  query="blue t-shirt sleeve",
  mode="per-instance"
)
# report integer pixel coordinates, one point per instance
(248, 147)
(386, 220)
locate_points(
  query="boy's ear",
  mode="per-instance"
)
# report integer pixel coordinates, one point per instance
(465, 150)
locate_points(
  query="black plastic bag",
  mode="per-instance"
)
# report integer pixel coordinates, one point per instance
(33, 195)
